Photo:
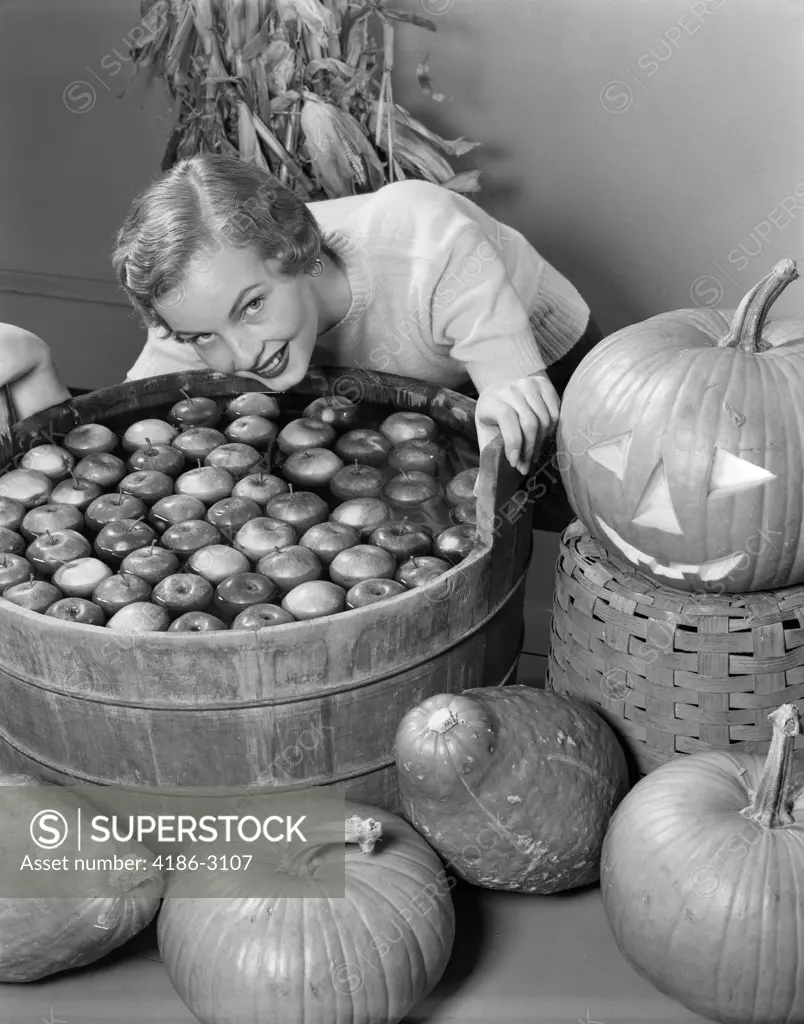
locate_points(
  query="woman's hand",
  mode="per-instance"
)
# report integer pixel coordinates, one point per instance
(525, 411)
(27, 367)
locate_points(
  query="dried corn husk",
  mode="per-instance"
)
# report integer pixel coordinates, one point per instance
(299, 87)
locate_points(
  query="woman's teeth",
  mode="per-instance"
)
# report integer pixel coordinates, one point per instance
(275, 365)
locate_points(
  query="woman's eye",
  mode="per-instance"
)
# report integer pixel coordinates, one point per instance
(254, 306)
(202, 339)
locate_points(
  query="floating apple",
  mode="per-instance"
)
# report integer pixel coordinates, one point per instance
(182, 593)
(12, 513)
(115, 592)
(403, 539)
(262, 616)
(231, 513)
(110, 508)
(417, 572)
(299, 509)
(362, 562)
(189, 536)
(75, 491)
(407, 490)
(196, 622)
(149, 485)
(241, 591)
(420, 455)
(195, 412)
(368, 447)
(81, 577)
(151, 564)
(55, 462)
(291, 567)
(327, 539)
(217, 562)
(118, 539)
(103, 469)
(77, 609)
(314, 599)
(196, 443)
(464, 513)
(358, 481)
(314, 467)
(237, 459)
(407, 426)
(27, 486)
(208, 483)
(35, 595)
(259, 537)
(11, 542)
(253, 403)
(150, 431)
(305, 433)
(363, 514)
(176, 508)
(252, 430)
(90, 439)
(163, 458)
(371, 591)
(455, 543)
(461, 487)
(50, 551)
(51, 517)
(260, 487)
(338, 410)
(140, 617)
(13, 569)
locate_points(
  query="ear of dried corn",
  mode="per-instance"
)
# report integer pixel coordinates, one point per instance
(301, 88)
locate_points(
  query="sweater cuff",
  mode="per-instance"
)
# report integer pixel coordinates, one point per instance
(558, 320)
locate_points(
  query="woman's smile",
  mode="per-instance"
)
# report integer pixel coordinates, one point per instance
(276, 365)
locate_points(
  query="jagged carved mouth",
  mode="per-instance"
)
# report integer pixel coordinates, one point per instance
(708, 572)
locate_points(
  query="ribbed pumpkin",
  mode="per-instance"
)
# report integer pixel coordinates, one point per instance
(367, 958)
(681, 444)
(701, 880)
(40, 936)
(514, 786)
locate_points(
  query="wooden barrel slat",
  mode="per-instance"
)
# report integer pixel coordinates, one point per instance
(166, 710)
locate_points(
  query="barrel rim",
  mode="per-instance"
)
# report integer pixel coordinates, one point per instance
(319, 381)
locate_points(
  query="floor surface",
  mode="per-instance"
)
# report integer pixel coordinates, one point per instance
(517, 960)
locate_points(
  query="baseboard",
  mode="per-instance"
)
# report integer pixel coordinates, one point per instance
(61, 286)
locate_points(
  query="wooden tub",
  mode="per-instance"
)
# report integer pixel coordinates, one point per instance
(307, 703)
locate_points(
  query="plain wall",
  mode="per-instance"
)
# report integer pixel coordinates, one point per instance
(651, 149)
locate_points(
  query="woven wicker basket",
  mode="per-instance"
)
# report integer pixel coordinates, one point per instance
(673, 673)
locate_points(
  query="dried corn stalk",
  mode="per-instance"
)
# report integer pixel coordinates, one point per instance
(299, 87)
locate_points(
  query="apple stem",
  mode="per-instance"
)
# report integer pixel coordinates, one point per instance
(75, 481)
(50, 536)
(30, 578)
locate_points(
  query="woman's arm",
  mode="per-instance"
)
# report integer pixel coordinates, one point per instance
(28, 368)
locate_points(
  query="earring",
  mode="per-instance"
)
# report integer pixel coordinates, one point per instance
(317, 269)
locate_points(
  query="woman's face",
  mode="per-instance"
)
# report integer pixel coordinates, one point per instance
(241, 314)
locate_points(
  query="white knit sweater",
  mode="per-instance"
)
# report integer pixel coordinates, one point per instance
(441, 292)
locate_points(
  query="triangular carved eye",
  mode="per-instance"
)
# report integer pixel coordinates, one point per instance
(655, 507)
(731, 474)
(612, 454)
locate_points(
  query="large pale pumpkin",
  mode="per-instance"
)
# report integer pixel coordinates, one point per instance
(681, 444)
(512, 785)
(366, 958)
(701, 880)
(42, 935)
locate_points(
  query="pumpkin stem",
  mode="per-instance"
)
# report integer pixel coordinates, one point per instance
(442, 721)
(364, 831)
(770, 805)
(746, 328)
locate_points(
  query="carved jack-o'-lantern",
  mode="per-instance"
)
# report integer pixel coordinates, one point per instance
(682, 441)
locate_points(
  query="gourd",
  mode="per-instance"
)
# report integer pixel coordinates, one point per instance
(681, 447)
(701, 880)
(513, 786)
(93, 912)
(366, 958)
